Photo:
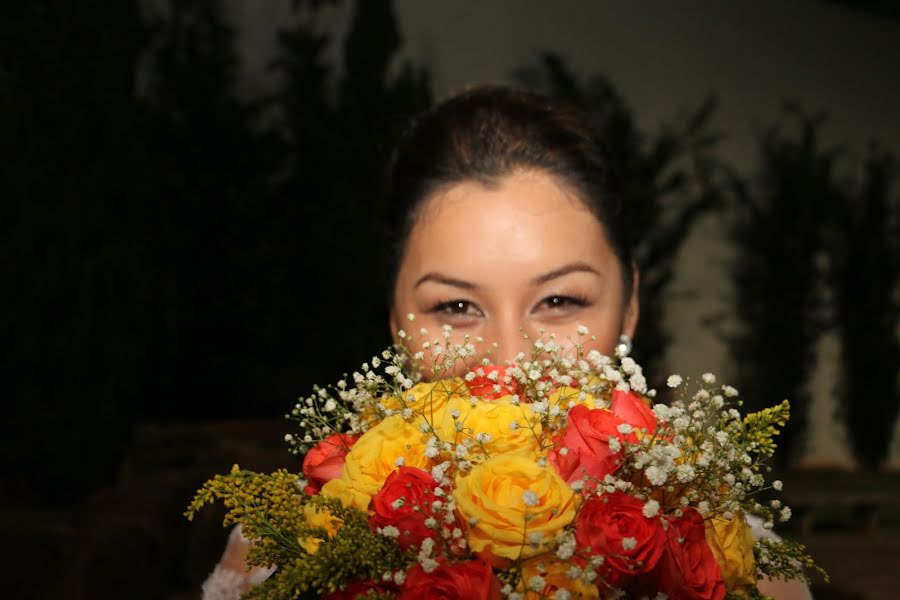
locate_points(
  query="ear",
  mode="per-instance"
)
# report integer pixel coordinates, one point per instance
(633, 308)
(394, 324)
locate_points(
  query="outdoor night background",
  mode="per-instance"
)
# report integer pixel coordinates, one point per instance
(191, 237)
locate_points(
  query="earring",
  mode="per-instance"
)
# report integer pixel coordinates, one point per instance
(624, 346)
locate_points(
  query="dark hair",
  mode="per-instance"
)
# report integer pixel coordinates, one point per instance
(487, 132)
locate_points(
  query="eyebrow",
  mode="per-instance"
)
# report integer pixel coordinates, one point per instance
(446, 280)
(575, 267)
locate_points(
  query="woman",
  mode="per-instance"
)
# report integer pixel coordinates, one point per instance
(508, 222)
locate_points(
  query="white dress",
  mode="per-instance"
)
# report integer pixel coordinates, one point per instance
(227, 584)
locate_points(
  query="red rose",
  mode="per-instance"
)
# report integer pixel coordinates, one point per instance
(688, 569)
(583, 448)
(472, 580)
(405, 502)
(325, 461)
(482, 386)
(359, 589)
(632, 409)
(614, 526)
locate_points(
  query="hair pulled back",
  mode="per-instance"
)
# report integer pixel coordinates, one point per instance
(488, 132)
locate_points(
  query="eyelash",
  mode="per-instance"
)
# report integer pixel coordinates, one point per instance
(453, 306)
(564, 301)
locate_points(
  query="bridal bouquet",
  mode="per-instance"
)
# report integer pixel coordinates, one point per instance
(554, 476)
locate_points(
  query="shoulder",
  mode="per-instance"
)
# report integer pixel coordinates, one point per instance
(232, 577)
(224, 584)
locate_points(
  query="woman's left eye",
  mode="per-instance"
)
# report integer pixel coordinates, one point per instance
(562, 302)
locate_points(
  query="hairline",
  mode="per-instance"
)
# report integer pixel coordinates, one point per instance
(493, 182)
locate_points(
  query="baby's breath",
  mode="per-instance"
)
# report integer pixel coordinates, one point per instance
(696, 453)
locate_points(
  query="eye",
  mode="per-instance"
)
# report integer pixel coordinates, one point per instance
(456, 308)
(561, 303)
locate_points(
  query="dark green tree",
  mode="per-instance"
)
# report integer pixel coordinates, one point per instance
(70, 257)
(778, 223)
(376, 101)
(865, 267)
(668, 180)
(336, 130)
(206, 224)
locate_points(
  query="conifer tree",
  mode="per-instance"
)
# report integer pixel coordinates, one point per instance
(70, 257)
(865, 277)
(206, 219)
(778, 225)
(336, 131)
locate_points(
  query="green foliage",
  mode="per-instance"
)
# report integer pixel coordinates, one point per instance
(160, 233)
(864, 254)
(668, 178)
(271, 510)
(819, 248)
(353, 554)
(785, 559)
(206, 221)
(167, 246)
(333, 136)
(761, 428)
(777, 224)
(71, 243)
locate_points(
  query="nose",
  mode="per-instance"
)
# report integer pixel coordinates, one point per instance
(509, 334)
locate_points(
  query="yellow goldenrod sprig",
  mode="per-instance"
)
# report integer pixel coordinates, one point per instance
(268, 507)
(785, 559)
(760, 428)
(352, 553)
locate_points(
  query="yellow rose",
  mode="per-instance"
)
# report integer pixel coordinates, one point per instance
(318, 517)
(425, 399)
(492, 499)
(555, 574)
(731, 542)
(376, 455)
(495, 419)
(341, 489)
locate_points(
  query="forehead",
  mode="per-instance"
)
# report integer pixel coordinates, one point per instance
(526, 222)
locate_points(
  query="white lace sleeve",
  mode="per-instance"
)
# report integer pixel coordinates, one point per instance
(226, 583)
(756, 526)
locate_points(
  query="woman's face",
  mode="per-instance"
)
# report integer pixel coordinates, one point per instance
(522, 256)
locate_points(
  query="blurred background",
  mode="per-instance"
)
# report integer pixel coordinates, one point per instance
(191, 237)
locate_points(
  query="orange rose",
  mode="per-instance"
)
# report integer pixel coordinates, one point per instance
(555, 576)
(493, 384)
(583, 449)
(633, 409)
(325, 461)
